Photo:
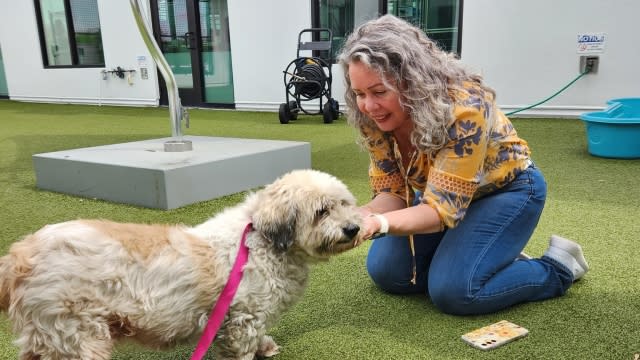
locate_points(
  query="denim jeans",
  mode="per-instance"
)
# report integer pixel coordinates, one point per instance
(471, 269)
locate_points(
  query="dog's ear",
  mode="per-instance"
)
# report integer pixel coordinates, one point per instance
(281, 231)
(276, 221)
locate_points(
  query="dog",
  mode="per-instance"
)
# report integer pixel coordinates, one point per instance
(73, 289)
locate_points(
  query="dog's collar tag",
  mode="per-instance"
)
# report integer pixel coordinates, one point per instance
(226, 297)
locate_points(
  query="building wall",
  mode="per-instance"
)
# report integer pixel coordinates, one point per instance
(264, 39)
(527, 50)
(28, 80)
(123, 47)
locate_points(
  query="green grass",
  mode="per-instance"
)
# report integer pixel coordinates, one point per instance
(342, 315)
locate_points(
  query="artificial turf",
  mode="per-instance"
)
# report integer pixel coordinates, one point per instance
(592, 200)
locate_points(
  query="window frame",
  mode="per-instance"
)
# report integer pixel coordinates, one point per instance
(71, 35)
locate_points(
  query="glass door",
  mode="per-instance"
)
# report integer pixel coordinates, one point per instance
(194, 38)
(176, 32)
(4, 91)
(216, 52)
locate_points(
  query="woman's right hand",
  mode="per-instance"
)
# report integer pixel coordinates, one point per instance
(370, 226)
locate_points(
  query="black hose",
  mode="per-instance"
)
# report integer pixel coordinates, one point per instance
(314, 81)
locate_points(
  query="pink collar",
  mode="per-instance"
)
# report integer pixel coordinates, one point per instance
(224, 301)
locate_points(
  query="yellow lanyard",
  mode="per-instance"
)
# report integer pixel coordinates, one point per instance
(407, 201)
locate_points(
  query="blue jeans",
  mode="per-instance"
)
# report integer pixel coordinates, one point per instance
(470, 269)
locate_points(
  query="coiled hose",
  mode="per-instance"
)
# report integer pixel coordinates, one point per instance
(310, 80)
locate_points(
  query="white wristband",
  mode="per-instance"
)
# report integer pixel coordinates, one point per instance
(384, 223)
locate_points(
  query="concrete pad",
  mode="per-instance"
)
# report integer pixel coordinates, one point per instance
(142, 173)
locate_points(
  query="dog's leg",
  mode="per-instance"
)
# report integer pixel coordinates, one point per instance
(39, 346)
(267, 347)
(30, 356)
(240, 336)
(57, 330)
(91, 350)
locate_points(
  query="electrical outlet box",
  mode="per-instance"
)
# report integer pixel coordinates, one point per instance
(589, 63)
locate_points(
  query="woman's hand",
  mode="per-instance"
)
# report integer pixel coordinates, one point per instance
(418, 219)
(371, 226)
(380, 204)
(367, 225)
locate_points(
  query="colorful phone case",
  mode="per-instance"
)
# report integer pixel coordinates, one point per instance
(494, 335)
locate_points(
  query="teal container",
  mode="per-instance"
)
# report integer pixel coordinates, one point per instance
(614, 132)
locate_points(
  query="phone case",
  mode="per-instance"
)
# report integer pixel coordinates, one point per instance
(494, 335)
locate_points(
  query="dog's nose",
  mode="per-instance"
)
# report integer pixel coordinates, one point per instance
(351, 230)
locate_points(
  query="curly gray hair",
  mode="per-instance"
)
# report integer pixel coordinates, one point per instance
(414, 66)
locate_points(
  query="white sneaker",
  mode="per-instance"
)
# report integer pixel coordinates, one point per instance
(569, 254)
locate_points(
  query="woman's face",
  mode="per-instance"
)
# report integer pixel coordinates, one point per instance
(380, 103)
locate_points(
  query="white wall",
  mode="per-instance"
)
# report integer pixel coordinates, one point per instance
(124, 47)
(527, 50)
(28, 80)
(264, 40)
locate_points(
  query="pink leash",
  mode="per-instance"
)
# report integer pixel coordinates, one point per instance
(224, 301)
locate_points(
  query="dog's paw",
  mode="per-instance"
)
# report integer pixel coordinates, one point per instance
(267, 347)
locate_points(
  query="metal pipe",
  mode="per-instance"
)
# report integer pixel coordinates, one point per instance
(176, 111)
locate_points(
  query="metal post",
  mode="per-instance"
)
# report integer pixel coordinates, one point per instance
(176, 111)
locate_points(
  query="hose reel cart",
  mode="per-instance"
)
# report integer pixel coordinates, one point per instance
(308, 78)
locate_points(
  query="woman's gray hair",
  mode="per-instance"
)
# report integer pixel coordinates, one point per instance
(413, 65)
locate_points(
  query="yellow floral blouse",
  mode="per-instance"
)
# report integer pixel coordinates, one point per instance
(484, 153)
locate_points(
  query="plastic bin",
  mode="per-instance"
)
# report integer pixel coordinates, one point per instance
(614, 132)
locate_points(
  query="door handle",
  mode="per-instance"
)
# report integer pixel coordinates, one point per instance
(190, 40)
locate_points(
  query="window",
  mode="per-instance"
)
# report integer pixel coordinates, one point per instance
(439, 19)
(336, 15)
(341, 17)
(70, 33)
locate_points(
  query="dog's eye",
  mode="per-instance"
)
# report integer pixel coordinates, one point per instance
(324, 212)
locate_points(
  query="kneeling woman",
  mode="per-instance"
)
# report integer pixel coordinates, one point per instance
(456, 194)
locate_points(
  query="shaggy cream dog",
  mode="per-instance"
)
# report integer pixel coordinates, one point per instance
(72, 289)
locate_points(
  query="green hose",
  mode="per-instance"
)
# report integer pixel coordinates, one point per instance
(550, 97)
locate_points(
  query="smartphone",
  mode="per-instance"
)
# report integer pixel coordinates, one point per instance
(494, 335)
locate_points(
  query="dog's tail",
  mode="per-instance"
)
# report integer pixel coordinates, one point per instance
(14, 268)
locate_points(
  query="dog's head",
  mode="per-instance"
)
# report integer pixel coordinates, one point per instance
(310, 210)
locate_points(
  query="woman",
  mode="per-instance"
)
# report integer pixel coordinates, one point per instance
(456, 195)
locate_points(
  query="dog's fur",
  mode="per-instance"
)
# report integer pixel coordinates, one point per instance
(72, 289)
